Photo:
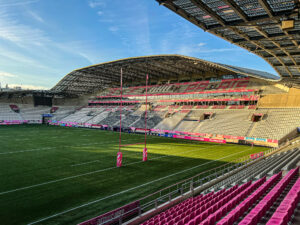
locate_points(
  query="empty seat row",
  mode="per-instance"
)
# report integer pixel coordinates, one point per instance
(246, 204)
(286, 208)
(229, 205)
(261, 208)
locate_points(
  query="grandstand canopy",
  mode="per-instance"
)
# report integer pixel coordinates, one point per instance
(268, 28)
(93, 78)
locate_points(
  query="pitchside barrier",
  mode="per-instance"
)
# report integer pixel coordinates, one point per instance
(180, 189)
(18, 122)
(219, 138)
(256, 155)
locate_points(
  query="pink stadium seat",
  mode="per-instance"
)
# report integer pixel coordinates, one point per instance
(210, 208)
(286, 208)
(180, 223)
(219, 107)
(171, 222)
(260, 209)
(186, 219)
(242, 207)
(192, 222)
(202, 106)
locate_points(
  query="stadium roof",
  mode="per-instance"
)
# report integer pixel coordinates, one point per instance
(93, 78)
(268, 28)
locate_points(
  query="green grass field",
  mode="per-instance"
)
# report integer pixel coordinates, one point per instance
(48, 170)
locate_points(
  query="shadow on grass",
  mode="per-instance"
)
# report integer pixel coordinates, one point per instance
(132, 182)
(97, 181)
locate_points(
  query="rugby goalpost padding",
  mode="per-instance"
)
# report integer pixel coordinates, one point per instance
(145, 150)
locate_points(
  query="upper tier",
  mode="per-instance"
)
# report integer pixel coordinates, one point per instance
(200, 87)
(189, 90)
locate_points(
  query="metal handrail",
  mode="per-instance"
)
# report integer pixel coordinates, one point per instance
(186, 185)
(180, 188)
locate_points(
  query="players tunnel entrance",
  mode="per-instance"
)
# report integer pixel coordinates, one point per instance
(256, 117)
(46, 118)
(206, 116)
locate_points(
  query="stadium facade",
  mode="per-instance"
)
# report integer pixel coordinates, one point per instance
(187, 98)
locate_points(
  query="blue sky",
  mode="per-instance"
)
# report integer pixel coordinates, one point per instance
(43, 40)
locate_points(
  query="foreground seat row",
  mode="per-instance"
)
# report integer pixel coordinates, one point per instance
(247, 204)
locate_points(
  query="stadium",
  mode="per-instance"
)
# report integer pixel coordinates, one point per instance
(164, 139)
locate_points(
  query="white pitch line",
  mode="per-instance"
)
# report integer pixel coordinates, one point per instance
(159, 157)
(31, 150)
(88, 144)
(55, 181)
(79, 164)
(130, 189)
(71, 177)
(22, 139)
(62, 146)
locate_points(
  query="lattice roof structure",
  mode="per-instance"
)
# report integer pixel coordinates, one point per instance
(93, 78)
(267, 28)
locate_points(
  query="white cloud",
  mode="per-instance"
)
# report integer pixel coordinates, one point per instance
(100, 13)
(36, 16)
(15, 57)
(20, 34)
(4, 3)
(96, 3)
(24, 39)
(28, 86)
(113, 28)
(81, 49)
(6, 74)
(220, 50)
(190, 50)
(87, 57)
(25, 81)
(186, 50)
(131, 25)
(201, 44)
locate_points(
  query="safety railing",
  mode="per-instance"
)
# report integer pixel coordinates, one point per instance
(165, 195)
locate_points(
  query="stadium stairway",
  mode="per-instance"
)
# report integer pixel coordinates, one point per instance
(251, 129)
(230, 122)
(171, 122)
(62, 112)
(188, 123)
(79, 116)
(187, 126)
(111, 118)
(99, 114)
(129, 120)
(152, 121)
